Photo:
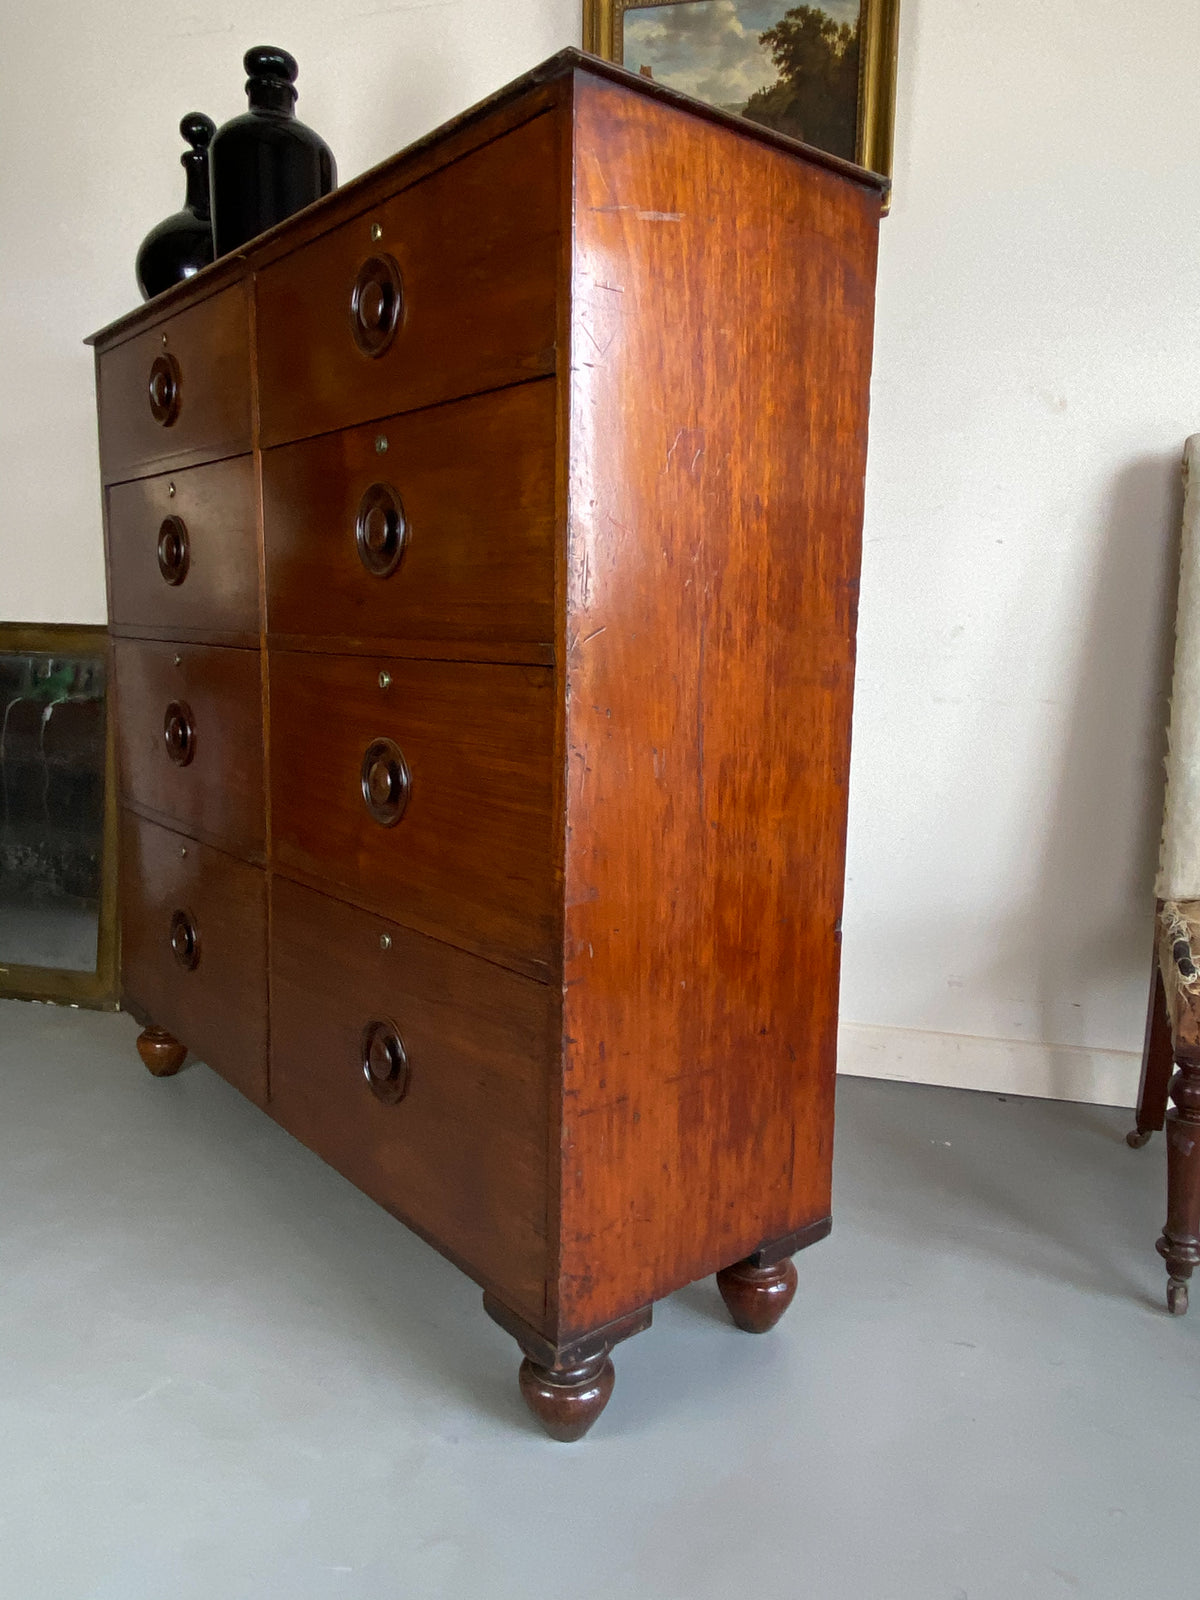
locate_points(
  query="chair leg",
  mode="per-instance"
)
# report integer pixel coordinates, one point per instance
(1180, 1242)
(1157, 1062)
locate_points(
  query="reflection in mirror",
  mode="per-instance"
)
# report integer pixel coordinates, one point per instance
(52, 772)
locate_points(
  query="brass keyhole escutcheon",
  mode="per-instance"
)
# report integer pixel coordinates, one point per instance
(174, 550)
(185, 940)
(380, 530)
(165, 385)
(386, 781)
(376, 305)
(179, 735)
(385, 1062)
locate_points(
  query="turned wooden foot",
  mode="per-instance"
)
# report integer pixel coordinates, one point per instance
(757, 1296)
(1179, 1245)
(567, 1386)
(567, 1400)
(161, 1052)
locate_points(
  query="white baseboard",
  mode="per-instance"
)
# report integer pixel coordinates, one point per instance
(1000, 1066)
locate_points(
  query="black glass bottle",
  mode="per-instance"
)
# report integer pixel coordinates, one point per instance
(265, 164)
(183, 243)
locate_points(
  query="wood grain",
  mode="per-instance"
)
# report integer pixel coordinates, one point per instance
(476, 482)
(218, 1008)
(218, 795)
(217, 600)
(476, 245)
(210, 341)
(471, 861)
(462, 1157)
(720, 357)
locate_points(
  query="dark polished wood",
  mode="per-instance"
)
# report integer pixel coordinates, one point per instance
(560, 427)
(463, 1153)
(567, 1386)
(1179, 1245)
(476, 246)
(567, 1400)
(469, 857)
(475, 481)
(1157, 1063)
(194, 948)
(179, 393)
(211, 591)
(757, 1296)
(190, 739)
(161, 1053)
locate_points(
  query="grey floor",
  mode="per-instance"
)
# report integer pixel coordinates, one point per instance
(224, 1374)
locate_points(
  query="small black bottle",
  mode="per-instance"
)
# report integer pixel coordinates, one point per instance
(265, 164)
(183, 243)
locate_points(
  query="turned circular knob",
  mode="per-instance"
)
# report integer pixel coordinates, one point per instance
(385, 781)
(174, 552)
(385, 1062)
(164, 389)
(380, 530)
(179, 735)
(185, 940)
(376, 305)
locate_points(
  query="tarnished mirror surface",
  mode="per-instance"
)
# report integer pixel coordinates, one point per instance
(57, 939)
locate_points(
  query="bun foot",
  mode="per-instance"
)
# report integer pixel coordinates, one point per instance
(161, 1052)
(567, 1400)
(1136, 1140)
(1177, 1296)
(757, 1296)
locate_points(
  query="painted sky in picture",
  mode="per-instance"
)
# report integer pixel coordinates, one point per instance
(801, 79)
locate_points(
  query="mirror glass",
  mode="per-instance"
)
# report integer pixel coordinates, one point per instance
(51, 808)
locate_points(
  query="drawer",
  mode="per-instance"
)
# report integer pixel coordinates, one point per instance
(179, 393)
(183, 552)
(450, 1133)
(428, 800)
(446, 535)
(194, 948)
(190, 738)
(447, 289)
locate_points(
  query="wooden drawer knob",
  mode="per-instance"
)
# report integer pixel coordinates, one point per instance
(185, 940)
(179, 735)
(376, 305)
(174, 550)
(385, 781)
(164, 389)
(380, 530)
(385, 1062)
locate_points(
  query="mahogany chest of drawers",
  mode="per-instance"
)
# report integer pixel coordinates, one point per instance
(482, 554)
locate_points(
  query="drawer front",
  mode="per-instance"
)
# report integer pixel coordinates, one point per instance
(194, 948)
(190, 738)
(450, 1133)
(445, 535)
(183, 552)
(447, 289)
(428, 800)
(178, 393)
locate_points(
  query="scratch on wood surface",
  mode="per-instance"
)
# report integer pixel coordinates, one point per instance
(593, 635)
(700, 716)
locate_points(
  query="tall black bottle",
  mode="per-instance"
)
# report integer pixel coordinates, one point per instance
(183, 243)
(265, 164)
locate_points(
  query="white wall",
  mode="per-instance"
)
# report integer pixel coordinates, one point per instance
(1035, 375)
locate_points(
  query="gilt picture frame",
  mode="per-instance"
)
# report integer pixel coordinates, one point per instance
(824, 73)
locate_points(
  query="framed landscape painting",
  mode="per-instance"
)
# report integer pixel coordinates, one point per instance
(823, 73)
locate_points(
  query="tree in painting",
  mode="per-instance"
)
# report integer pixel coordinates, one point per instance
(816, 95)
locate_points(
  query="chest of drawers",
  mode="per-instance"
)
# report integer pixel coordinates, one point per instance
(482, 557)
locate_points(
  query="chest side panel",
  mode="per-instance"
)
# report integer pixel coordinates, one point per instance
(721, 323)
